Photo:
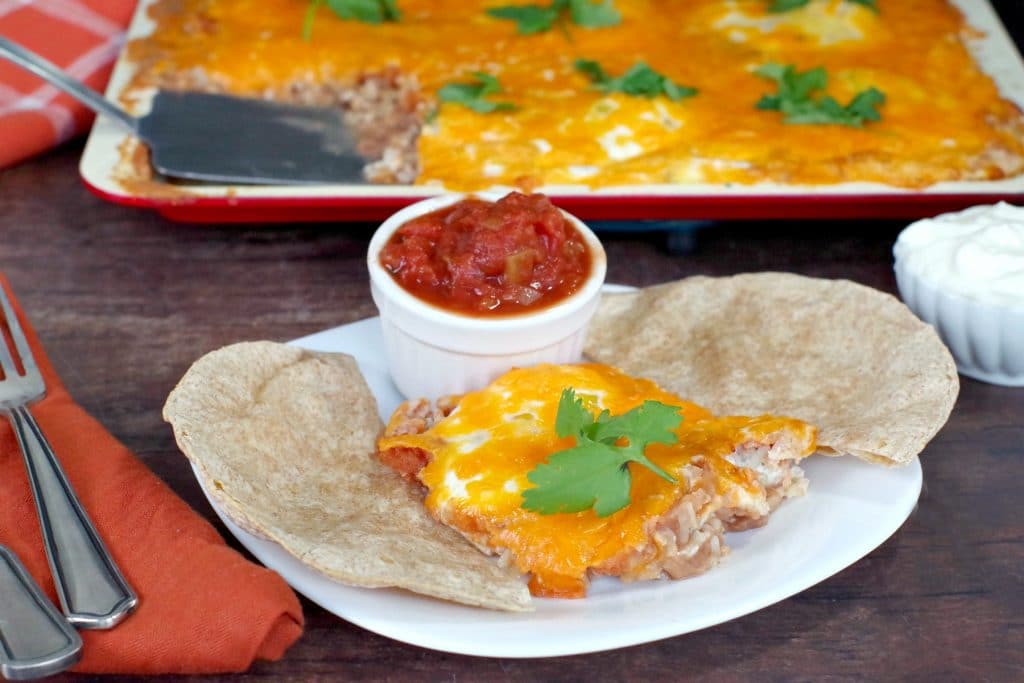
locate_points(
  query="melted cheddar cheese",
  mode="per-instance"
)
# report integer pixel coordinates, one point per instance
(943, 119)
(481, 454)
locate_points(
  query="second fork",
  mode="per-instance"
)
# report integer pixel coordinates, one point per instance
(93, 593)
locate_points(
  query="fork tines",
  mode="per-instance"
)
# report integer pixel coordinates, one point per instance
(13, 328)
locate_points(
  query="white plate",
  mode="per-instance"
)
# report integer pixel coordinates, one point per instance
(850, 509)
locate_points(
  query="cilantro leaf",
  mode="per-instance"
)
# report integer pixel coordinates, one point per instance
(779, 6)
(532, 19)
(595, 472)
(793, 85)
(594, 14)
(865, 104)
(796, 102)
(588, 475)
(472, 95)
(594, 71)
(366, 11)
(653, 422)
(572, 417)
(640, 80)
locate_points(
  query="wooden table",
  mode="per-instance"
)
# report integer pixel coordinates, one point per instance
(941, 600)
(124, 301)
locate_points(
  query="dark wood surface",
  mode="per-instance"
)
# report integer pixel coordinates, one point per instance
(124, 301)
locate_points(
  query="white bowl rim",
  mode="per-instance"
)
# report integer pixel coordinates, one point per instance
(938, 286)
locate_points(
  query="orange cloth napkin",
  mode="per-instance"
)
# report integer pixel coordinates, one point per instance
(202, 608)
(83, 38)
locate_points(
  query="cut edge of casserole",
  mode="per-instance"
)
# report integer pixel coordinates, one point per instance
(384, 110)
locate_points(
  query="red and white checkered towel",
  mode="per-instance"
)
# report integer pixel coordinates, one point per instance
(82, 37)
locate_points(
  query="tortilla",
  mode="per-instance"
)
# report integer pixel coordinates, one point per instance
(854, 361)
(284, 440)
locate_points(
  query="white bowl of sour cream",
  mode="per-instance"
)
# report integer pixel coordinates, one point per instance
(963, 273)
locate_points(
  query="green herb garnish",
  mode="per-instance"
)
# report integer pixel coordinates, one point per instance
(532, 19)
(366, 11)
(529, 18)
(778, 6)
(590, 14)
(641, 81)
(797, 105)
(473, 95)
(595, 472)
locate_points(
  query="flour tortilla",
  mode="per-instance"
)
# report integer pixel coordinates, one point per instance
(855, 362)
(284, 441)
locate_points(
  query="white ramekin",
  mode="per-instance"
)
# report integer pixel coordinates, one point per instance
(433, 352)
(986, 339)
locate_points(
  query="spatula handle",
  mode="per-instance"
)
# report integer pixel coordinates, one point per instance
(92, 590)
(35, 640)
(54, 76)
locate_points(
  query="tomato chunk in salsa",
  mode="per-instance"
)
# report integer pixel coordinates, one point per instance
(489, 258)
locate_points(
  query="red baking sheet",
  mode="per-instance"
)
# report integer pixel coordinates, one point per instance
(995, 52)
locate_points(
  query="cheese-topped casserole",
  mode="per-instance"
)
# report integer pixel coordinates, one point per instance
(701, 113)
(475, 458)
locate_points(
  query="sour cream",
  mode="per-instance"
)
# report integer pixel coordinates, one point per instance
(978, 252)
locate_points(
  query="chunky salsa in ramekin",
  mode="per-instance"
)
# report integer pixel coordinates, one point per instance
(477, 257)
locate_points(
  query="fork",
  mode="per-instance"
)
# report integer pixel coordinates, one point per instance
(35, 639)
(92, 591)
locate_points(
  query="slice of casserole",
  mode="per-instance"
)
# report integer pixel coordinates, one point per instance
(474, 453)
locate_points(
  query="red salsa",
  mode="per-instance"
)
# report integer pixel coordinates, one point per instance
(489, 258)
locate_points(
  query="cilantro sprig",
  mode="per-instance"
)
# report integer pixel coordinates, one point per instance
(532, 19)
(779, 6)
(529, 19)
(474, 95)
(798, 105)
(595, 472)
(366, 11)
(590, 14)
(640, 80)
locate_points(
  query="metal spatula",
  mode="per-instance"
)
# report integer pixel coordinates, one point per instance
(216, 138)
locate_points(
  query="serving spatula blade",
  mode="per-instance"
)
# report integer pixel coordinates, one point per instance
(217, 138)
